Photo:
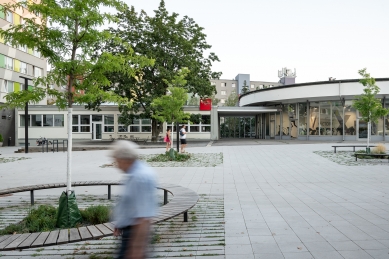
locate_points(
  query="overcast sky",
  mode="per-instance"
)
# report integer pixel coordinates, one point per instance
(321, 39)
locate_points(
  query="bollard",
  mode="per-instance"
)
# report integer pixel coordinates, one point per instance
(9, 141)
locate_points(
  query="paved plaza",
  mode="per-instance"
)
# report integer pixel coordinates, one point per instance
(280, 201)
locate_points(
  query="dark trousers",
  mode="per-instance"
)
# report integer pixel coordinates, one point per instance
(126, 236)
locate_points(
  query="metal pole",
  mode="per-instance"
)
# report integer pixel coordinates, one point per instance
(26, 115)
(32, 197)
(165, 195)
(178, 137)
(109, 191)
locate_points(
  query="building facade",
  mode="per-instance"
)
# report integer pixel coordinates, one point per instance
(16, 61)
(316, 111)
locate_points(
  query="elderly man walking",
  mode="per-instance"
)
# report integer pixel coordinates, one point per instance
(137, 203)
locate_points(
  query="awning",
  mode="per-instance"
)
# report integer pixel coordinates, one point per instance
(243, 111)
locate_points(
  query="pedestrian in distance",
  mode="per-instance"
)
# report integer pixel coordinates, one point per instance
(168, 140)
(137, 204)
(183, 138)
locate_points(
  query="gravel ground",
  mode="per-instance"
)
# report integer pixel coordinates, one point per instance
(12, 159)
(348, 158)
(196, 160)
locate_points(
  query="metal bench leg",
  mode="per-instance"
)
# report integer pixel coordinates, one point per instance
(334, 149)
(354, 148)
(165, 197)
(109, 191)
(186, 216)
(32, 197)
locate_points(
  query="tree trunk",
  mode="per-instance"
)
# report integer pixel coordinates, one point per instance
(155, 130)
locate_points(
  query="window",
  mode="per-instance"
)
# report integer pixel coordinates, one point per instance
(9, 16)
(223, 84)
(223, 93)
(233, 85)
(2, 12)
(146, 125)
(37, 53)
(9, 63)
(22, 48)
(213, 83)
(9, 86)
(252, 86)
(222, 100)
(48, 120)
(58, 120)
(109, 123)
(36, 120)
(81, 123)
(37, 72)
(23, 68)
(203, 125)
(45, 120)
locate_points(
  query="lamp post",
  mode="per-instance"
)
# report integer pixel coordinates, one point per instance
(26, 115)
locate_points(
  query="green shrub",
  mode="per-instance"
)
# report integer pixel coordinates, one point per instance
(39, 219)
(1, 138)
(96, 214)
(179, 157)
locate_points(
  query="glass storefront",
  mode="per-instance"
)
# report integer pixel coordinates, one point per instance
(314, 118)
(350, 119)
(337, 119)
(303, 119)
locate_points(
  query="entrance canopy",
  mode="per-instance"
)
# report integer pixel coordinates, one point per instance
(225, 111)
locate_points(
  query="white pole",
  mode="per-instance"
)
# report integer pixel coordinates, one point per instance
(69, 157)
(368, 133)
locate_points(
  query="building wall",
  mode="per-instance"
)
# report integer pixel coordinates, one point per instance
(60, 132)
(28, 56)
(7, 126)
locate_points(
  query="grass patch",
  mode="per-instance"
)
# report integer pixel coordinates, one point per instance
(96, 214)
(44, 218)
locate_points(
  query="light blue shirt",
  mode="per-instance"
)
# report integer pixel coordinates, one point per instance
(138, 199)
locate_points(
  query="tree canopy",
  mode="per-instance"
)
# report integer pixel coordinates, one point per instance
(174, 43)
(369, 107)
(64, 34)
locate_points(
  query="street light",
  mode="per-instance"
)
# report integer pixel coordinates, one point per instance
(26, 115)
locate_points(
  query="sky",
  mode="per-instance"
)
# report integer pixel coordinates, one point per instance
(320, 39)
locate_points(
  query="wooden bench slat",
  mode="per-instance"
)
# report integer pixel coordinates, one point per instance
(40, 240)
(110, 226)
(74, 235)
(52, 238)
(7, 241)
(84, 232)
(31, 238)
(2, 238)
(103, 229)
(17, 241)
(63, 236)
(94, 232)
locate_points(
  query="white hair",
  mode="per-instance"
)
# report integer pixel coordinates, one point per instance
(123, 149)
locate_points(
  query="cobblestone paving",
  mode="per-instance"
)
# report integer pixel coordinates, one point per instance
(201, 237)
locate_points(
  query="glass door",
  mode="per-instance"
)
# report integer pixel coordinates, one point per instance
(97, 131)
(362, 129)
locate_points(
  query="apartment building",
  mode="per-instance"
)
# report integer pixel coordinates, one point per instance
(225, 87)
(16, 61)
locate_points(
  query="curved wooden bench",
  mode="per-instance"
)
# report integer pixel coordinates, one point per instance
(183, 200)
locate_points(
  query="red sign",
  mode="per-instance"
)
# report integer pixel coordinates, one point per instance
(205, 104)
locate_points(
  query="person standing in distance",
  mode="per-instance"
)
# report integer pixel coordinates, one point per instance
(183, 138)
(137, 203)
(168, 140)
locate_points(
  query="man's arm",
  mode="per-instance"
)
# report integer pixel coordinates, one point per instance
(139, 239)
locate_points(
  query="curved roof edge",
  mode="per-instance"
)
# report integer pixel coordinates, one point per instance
(312, 83)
